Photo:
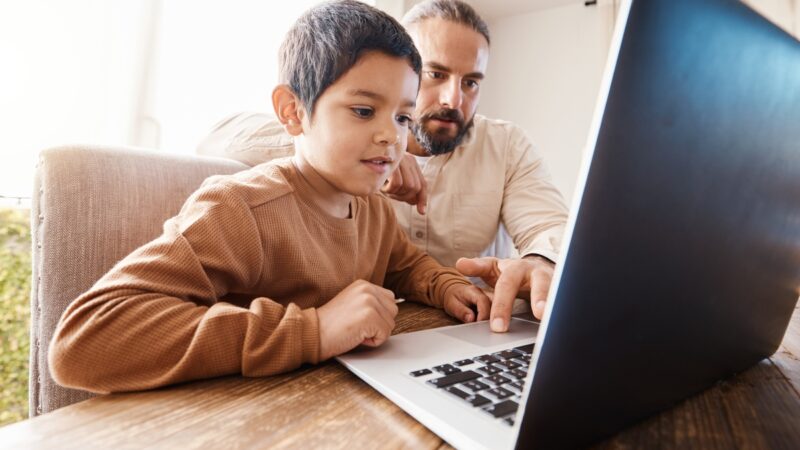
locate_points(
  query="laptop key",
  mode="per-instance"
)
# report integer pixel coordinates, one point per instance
(421, 372)
(464, 362)
(478, 400)
(500, 393)
(495, 379)
(487, 359)
(522, 361)
(458, 392)
(525, 348)
(518, 373)
(517, 385)
(508, 364)
(458, 377)
(446, 369)
(489, 370)
(509, 421)
(503, 408)
(475, 385)
(508, 354)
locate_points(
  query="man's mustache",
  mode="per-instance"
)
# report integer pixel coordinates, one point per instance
(445, 114)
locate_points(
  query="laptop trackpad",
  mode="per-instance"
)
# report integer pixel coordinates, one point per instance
(479, 333)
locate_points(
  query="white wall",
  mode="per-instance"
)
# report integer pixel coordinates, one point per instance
(68, 75)
(784, 13)
(544, 73)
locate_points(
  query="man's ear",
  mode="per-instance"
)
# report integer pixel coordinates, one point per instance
(288, 109)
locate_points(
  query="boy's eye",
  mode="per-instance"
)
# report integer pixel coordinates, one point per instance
(404, 119)
(362, 111)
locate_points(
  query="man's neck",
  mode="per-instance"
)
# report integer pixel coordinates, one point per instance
(413, 146)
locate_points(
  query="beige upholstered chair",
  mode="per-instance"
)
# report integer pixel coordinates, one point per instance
(91, 207)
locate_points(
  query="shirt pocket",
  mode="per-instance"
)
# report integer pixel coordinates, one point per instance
(475, 220)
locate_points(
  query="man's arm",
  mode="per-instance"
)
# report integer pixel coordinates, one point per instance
(534, 213)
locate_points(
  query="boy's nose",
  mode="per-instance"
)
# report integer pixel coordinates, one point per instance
(387, 134)
(387, 138)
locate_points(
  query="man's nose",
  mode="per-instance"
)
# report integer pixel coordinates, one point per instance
(450, 96)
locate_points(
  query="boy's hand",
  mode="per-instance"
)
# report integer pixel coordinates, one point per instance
(407, 184)
(363, 313)
(459, 299)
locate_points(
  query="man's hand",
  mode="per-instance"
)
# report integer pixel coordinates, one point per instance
(407, 184)
(510, 278)
(460, 298)
(363, 313)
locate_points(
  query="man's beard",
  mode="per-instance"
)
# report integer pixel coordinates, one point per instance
(439, 143)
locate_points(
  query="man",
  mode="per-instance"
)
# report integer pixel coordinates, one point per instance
(471, 174)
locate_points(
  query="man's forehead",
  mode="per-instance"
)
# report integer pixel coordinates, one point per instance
(450, 44)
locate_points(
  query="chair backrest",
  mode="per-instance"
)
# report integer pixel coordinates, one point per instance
(91, 207)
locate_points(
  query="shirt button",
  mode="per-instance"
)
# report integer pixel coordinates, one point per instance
(420, 234)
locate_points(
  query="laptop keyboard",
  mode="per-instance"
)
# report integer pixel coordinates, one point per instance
(491, 382)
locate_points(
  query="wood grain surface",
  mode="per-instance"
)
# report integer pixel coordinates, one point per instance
(326, 406)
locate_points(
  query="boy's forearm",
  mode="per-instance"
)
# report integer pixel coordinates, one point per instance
(125, 341)
(425, 281)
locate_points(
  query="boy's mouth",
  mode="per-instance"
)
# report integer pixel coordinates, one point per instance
(379, 164)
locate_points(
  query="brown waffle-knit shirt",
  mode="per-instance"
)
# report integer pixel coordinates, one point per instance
(232, 284)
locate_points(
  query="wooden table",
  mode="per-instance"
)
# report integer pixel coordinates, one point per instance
(326, 406)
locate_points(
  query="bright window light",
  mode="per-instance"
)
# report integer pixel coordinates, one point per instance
(154, 73)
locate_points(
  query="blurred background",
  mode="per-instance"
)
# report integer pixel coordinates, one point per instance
(160, 73)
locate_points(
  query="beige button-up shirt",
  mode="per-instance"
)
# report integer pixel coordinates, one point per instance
(495, 181)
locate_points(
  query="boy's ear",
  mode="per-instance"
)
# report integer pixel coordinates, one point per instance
(288, 109)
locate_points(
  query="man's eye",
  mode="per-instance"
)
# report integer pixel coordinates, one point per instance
(436, 75)
(362, 112)
(472, 84)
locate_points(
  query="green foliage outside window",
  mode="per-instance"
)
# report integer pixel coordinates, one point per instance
(15, 288)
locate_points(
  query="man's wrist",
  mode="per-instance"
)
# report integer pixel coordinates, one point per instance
(539, 257)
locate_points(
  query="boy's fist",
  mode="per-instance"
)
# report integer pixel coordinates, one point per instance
(459, 300)
(363, 313)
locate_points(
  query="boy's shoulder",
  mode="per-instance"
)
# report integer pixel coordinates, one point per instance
(255, 186)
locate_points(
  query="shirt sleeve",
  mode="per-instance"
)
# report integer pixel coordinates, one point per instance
(250, 138)
(160, 317)
(534, 212)
(412, 273)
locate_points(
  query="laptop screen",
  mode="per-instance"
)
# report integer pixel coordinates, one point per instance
(683, 265)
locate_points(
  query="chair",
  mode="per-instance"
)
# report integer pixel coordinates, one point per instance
(91, 207)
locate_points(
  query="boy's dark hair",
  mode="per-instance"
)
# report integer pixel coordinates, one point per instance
(451, 10)
(327, 40)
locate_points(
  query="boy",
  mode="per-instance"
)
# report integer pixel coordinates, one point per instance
(282, 264)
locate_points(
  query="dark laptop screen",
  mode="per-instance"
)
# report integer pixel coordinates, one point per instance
(684, 264)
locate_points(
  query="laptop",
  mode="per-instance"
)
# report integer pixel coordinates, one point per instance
(681, 260)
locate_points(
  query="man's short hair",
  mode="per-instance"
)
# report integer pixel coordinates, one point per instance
(328, 39)
(451, 10)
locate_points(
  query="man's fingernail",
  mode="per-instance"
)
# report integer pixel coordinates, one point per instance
(498, 325)
(540, 305)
